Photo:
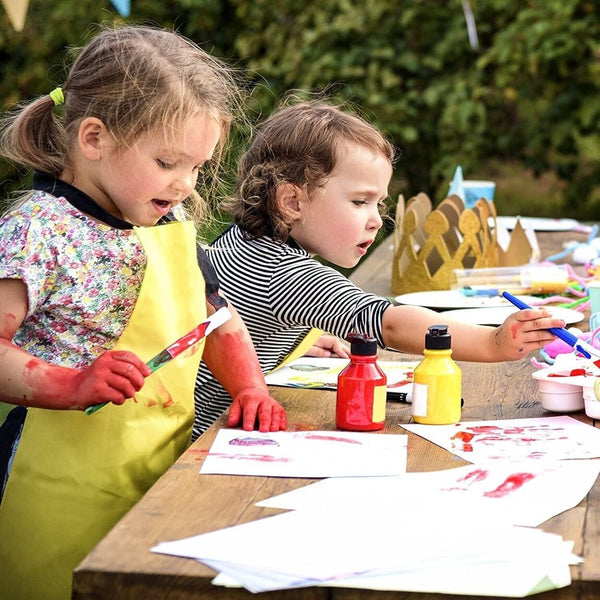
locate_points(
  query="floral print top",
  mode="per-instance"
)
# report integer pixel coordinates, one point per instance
(82, 278)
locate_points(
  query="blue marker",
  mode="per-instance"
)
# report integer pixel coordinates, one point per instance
(559, 332)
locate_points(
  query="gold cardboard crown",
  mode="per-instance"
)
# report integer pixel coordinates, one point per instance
(429, 245)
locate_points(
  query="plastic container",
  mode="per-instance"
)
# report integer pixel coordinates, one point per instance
(474, 190)
(361, 388)
(559, 394)
(437, 381)
(591, 397)
(528, 279)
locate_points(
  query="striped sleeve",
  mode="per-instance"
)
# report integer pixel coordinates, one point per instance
(306, 292)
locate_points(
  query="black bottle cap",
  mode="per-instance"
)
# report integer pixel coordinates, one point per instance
(438, 338)
(361, 344)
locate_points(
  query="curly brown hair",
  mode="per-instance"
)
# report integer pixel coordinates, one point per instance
(298, 144)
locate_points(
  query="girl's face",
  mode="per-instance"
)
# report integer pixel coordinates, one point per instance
(143, 182)
(341, 220)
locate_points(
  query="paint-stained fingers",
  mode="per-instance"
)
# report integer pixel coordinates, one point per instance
(112, 377)
(234, 415)
(255, 409)
(132, 359)
(530, 314)
(271, 415)
(278, 419)
(126, 375)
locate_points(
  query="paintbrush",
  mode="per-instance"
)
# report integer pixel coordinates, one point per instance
(181, 345)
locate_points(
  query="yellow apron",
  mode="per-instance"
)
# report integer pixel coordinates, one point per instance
(74, 476)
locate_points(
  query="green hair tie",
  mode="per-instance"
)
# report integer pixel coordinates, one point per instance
(57, 96)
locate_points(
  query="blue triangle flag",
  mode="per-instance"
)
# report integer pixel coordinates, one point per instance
(456, 187)
(123, 6)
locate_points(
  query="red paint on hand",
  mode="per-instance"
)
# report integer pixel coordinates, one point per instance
(113, 377)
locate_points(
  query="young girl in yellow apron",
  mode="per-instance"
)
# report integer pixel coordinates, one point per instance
(68, 250)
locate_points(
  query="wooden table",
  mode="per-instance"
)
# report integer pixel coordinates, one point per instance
(183, 503)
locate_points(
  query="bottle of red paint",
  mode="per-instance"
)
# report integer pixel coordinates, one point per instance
(361, 388)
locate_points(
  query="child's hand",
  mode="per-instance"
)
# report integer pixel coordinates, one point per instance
(113, 377)
(525, 331)
(255, 405)
(327, 346)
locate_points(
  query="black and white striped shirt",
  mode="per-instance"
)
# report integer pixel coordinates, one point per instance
(281, 292)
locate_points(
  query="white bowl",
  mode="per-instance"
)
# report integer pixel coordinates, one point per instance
(559, 394)
(591, 391)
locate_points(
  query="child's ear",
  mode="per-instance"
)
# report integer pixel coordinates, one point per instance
(92, 138)
(290, 201)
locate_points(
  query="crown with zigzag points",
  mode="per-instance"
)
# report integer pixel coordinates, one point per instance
(430, 244)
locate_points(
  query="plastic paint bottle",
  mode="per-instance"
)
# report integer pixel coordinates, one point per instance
(437, 381)
(361, 388)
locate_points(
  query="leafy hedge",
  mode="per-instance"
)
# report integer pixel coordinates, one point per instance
(528, 93)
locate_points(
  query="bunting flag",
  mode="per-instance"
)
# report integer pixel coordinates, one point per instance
(16, 11)
(123, 6)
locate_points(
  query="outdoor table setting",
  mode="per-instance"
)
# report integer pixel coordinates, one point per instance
(213, 489)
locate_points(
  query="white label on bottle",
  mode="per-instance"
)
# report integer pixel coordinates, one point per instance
(419, 400)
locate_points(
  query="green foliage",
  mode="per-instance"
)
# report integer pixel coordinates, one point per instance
(527, 95)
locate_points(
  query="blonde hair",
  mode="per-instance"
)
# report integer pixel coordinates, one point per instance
(133, 79)
(297, 144)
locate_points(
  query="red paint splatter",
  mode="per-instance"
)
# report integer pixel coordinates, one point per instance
(330, 438)
(463, 436)
(475, 476)
(257, 457)
(511, 484)
(472, 477)
(515, 329)
(492, 434)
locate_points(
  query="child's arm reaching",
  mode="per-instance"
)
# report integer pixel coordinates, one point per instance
(30, 381)
(404, 328)
(231, 357)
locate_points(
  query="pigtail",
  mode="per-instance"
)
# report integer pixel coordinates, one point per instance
(34, 136)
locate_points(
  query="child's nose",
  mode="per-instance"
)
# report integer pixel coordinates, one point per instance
(376, 221)
(185, 183)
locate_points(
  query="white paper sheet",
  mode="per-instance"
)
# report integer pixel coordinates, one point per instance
(545, 438)
(306, 454)
(322, 373)
(514, 493)
(310, 547)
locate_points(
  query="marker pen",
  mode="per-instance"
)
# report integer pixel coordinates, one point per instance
(585, 349)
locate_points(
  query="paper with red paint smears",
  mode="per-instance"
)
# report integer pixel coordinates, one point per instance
(545, 438)
(514, 493)
(305, 454)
